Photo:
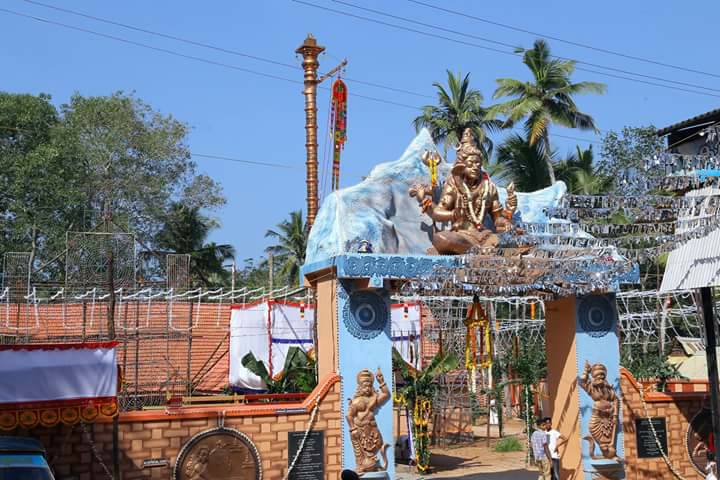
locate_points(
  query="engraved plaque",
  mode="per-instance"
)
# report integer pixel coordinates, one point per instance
(310, 463)
(218, 454)
(646, 444)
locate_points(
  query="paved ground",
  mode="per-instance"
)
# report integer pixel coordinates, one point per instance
(476, 461)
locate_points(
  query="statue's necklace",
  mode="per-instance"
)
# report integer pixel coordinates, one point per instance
(477, 220)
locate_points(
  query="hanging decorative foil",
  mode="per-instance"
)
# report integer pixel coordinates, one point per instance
(339, 127)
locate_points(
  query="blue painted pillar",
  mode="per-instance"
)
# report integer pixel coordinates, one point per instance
(365, 347)
(597, 349)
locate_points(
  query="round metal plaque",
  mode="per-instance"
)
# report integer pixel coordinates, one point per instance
(218, 454)
(597, 315)
(697, 440)
(365, 314)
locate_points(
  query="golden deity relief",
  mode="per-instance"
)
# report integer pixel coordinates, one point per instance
(365, 435)
(604, 417)
(468, 198)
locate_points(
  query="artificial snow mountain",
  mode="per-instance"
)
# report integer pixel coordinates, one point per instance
(379, 209)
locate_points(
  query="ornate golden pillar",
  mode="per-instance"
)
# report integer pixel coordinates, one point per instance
(310, 51)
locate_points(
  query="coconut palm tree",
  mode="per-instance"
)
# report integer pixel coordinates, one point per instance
(291, 236)
(581, 175)
(523, 163)
(185, 231)
(459, 107)
(545, 100)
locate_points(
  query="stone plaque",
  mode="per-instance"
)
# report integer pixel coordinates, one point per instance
(218, 454)
(309, 465)
(646, 444)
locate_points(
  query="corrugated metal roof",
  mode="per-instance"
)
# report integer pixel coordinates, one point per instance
(693, 265)
(702, 118)
(691, 345)
(696, 263)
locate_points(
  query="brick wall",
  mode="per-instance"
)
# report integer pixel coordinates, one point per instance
(678, 410)
(151, 434)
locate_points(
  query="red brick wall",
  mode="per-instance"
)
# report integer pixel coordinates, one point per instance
(678, 410)
(152, 434)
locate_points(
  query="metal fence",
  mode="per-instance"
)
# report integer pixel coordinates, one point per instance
(169, 344)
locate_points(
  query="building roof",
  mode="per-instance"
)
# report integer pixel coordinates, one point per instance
(695, 264)
(691, 345)
(693, 367)
(711, 116)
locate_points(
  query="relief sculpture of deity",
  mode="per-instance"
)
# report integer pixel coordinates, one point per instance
(469, 202)
(604, 417)
(365, 435)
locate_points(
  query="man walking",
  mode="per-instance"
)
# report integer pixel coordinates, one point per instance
(541, 450)
(555, 440)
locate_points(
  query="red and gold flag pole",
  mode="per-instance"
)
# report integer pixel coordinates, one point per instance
(310, 51)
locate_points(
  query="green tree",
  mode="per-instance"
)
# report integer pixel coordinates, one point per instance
(253, 274)
(524, 163)
(289, 251)
(581, 175)
(38, 200)
(627, 156)
(186, 231)
(545, 100)
(459, 107)
(134, 160)
(93, 162)
(497, 172)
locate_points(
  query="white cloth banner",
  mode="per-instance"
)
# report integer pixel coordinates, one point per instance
(292, 326)
(269, 329)
(37, 373)
(248, 333)
(406, 331)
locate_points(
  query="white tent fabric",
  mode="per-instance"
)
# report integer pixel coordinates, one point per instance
(292, 326)
(406, 332)
(248, 333)
(45, 373)
(269, 329)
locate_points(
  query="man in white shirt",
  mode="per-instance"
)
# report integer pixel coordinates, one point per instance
(555, 440)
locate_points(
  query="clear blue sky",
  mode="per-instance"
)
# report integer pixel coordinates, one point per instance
(241, 115)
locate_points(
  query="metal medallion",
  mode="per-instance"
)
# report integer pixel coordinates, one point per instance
(218, 454)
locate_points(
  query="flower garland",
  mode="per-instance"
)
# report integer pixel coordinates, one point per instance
(421, 419)
(475, 320)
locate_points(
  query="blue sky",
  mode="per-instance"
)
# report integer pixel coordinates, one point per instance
(237, 114)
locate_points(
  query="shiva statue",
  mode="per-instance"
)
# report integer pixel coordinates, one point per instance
(468, 199)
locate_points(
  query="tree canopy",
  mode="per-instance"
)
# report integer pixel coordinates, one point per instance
(459, 107)
(545, 100)
(87, 163)
(291, 237)
(524, 163)
(625, 153)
